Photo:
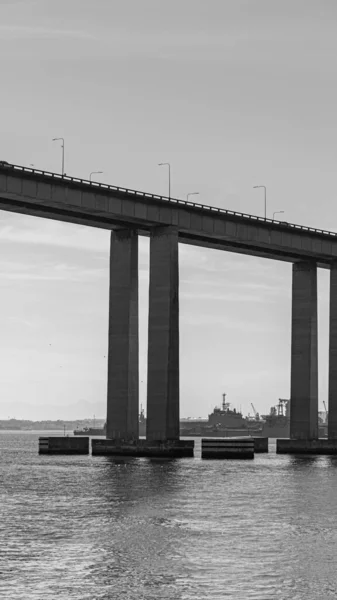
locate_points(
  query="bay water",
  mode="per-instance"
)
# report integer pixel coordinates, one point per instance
(83, 527)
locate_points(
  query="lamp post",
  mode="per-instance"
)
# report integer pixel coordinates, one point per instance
(277, 212)
(62, 140)
(265, 198)
(169, 171)
(94, 173)
(192, 194)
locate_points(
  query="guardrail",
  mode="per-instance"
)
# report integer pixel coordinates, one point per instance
(4, 166)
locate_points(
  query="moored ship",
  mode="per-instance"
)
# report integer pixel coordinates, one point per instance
(277, 423)
(223, 422)
(91, 430)
(227, 422)
(142, 423)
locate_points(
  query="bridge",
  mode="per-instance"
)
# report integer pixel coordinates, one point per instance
(168, 222)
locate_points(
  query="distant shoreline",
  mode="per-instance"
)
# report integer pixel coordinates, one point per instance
(48, 425)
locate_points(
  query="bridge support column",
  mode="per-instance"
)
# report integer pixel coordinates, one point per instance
(332, 418)
(163, 343)
(122, 402)
(304, 357)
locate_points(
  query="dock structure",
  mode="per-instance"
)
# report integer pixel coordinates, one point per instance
(128, 214)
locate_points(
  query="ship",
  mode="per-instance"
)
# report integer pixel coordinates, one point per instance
(227, 422)
(91, 431)
(323, 422)
(142, 423)
(222, 422)
(277, 423)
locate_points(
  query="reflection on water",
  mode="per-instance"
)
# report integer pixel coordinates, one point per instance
(84, 527)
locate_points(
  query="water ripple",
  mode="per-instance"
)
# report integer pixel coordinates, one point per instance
(99, 528)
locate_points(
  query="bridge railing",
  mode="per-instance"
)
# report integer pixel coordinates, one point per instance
(4, 166)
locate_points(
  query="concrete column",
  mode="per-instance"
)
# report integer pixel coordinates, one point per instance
(332, 423)
(122, 409)
(163, 343)
(304, 357)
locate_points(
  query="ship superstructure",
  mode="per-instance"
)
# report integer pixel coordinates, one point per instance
(223, 422)
(277, 423)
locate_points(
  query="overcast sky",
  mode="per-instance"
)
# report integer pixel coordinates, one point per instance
(233, 93)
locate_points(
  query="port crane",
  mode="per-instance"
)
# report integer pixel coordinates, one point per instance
(256, 414)
(282, 407)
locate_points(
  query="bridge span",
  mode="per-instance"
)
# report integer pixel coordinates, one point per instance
(168, 221)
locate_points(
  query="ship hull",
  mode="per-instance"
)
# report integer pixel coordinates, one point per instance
(220, 433)
(276, 431)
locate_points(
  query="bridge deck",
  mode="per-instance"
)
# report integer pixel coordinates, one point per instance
(64, 198)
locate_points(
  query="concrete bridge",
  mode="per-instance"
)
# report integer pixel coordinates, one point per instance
(168, 221)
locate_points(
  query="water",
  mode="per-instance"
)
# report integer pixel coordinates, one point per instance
(98, 527)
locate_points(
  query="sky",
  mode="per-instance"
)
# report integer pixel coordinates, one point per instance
(233, 93)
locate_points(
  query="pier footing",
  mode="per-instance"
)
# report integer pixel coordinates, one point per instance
(230, 448)
(260, 444)
(321, 446)
(138, 448)
(63, 445)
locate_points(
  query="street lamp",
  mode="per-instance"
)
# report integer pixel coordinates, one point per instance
(192, 194)
(62, 140)
(169, 170)
(94, 173)
(277, 212)
(265, 198)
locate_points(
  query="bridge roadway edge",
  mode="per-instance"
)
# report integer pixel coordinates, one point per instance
(49, 195)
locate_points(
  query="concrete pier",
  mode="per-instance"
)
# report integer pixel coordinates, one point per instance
(227, 448)
(141, 448)
(163, 341)
(321, 446)
(332, 419)
(304, 359)
(63, 445)
(122, 401)
(260, 444)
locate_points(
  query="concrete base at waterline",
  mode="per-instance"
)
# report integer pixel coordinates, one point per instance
(260, 444)
(63, 445)
(141, 448)
(227, 448)
(321, 446)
